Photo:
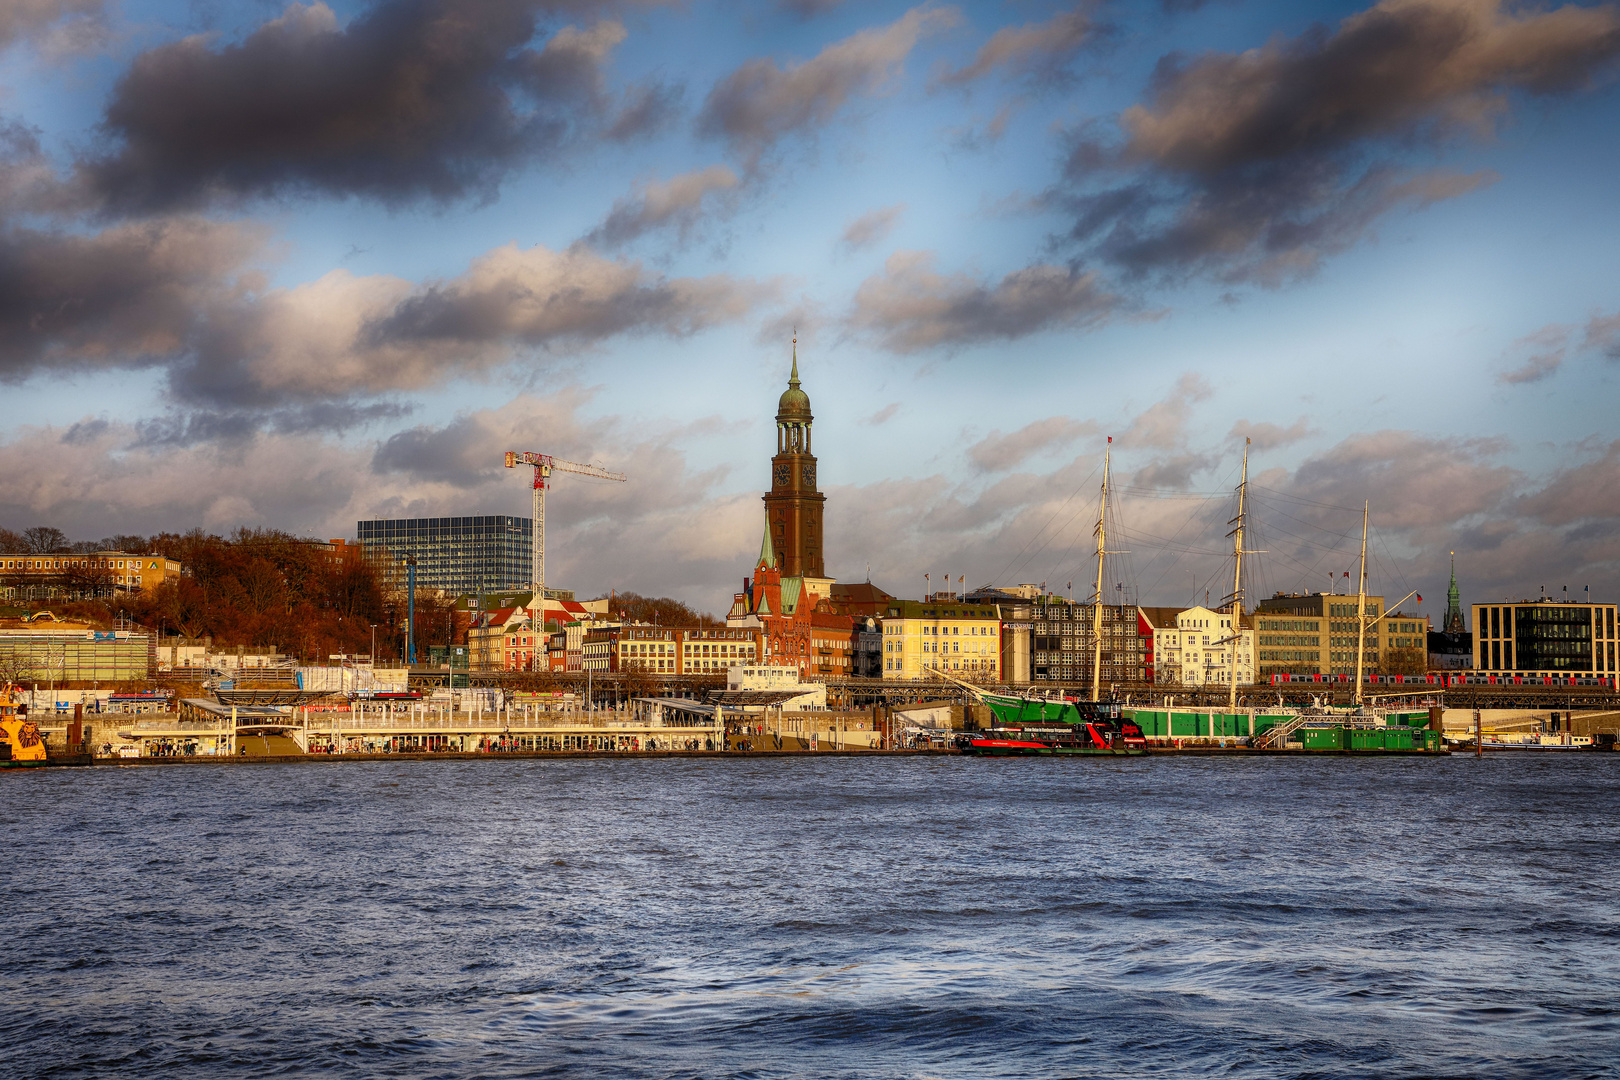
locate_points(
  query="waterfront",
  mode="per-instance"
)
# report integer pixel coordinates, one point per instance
(895, 917)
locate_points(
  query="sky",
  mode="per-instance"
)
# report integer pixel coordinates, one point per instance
(294, 265)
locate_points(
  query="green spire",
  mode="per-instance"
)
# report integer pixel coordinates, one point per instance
(793, 379)
(1454, 620)
(767, 551)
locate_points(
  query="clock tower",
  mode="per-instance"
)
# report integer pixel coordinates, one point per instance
(793, 507)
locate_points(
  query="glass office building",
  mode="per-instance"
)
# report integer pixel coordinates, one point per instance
(455, 554)
(1545, 638)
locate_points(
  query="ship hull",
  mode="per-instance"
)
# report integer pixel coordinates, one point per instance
(1023, 748)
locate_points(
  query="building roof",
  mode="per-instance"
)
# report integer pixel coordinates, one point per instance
(1161, 618)
(767, 550)
(794, 401)
(940, 609)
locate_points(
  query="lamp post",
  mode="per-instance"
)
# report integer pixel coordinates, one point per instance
(374, 646)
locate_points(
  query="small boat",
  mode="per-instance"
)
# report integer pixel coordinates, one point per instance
(1050, 723)
(1099, 736)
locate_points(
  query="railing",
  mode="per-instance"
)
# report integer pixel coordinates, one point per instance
(1277, 734)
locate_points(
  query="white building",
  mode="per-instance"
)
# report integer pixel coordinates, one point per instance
(1199, 648)
(770, 677)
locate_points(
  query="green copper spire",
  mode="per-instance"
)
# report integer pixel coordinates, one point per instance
(1454, 619)
(793, 379)
(767, 550)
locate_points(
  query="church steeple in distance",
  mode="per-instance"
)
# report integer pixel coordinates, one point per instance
(793, 507)
(1454, 618)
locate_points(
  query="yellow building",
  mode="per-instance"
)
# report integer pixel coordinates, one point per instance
(119, 570)
(1315, 634)
(963, 640)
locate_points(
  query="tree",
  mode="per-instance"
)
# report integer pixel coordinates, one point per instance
(45, 540)
(12, 543)
(658, 610)
(1413, 661)
(183, 604)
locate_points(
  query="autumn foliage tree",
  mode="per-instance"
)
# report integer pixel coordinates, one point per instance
(256, 587)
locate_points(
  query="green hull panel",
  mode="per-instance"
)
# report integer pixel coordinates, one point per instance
(1012, 712)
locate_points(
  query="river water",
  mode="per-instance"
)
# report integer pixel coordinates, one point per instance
(832, 917)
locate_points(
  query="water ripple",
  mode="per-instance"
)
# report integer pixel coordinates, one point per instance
(770, 918)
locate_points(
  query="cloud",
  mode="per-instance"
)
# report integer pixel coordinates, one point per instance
(1268, 436)
(1253, 166)
(132, 295)
(184, 295)
(1538, 367)
(808, 9)
(673, 528)
(345, 335)
(910, 306)
(760, 103)
(414, 99)
(676, 202)
(647, 108)
(872, 227)
(66, 25)
(1164, 423)
(997, 452)
(1038, 53)
(883, 415)
(1603, 333)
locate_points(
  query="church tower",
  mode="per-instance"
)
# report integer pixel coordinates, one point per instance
(1454, 623)
(793, 507)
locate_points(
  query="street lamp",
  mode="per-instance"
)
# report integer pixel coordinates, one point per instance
(374, 645)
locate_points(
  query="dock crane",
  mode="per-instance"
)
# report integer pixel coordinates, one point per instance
(544, 466)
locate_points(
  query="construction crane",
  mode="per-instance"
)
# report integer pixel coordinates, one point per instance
(544, 465)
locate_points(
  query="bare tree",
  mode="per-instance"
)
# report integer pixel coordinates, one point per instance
(16, 668)
(45, 540)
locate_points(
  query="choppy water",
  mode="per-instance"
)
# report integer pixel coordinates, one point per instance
(820, 918)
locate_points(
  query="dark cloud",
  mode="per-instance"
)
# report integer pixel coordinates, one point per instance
(127, 296)
(676, 203)
(1254, 165)
(345, 337)
(910, 306)
(536, 296)
(411, 99)
(760, 102)
(808, 9)
(1039, 53)
(647, 109)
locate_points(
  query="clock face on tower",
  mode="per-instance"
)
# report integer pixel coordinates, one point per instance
(809, 476)
(784, 472)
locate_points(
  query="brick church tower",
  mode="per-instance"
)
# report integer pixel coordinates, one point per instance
(793, 508)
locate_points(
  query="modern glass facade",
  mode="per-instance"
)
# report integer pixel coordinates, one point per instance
(454, 554)
(1545, 637)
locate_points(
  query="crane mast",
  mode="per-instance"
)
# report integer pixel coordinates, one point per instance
(544, 466)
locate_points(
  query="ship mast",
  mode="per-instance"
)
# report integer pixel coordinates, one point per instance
(1361, 606)
(1236, 634)
(1096, 601)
